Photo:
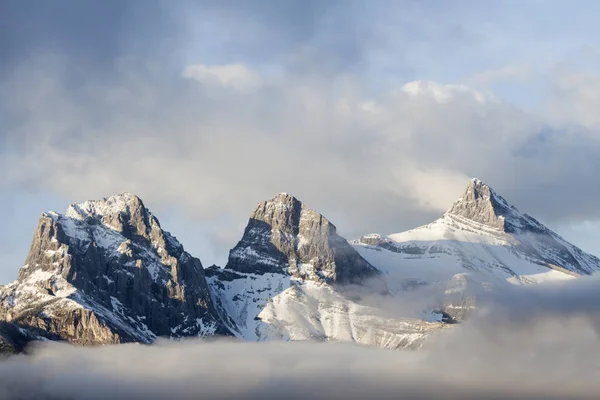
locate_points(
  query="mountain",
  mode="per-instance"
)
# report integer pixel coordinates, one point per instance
(283, 236)
(292, 277)
(481, 235)
(106, 272)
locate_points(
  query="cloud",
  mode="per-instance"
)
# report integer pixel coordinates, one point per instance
(370, 163)
(576, 97)
(293, 134)
(531, 343)
(439, 192)
(442, 93)
(174, 120)
(515, 72)
(235, 75)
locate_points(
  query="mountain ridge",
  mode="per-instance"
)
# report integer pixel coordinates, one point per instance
(106, 272)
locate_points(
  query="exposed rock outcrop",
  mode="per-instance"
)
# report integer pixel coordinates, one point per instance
(283, 236)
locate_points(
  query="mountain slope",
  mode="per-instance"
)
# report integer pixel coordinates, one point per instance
(481, 234)
(288, 278)
(105, 272)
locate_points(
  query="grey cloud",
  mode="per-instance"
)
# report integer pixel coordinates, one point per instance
(383, 165)
(529, 343)
(93, 32)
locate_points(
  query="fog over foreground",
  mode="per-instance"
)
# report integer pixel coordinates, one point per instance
(533, 342)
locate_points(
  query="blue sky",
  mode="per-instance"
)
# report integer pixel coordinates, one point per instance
(376, 113)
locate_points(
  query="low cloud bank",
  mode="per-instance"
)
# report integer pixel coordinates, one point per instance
(535, 343)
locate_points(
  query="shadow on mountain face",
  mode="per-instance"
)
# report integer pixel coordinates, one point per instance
(530, 343)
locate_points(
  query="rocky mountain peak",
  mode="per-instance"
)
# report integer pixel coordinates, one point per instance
(481, 204)
(123, 213)
(110, 261)
(120, 203)
(283, 197)
(482, 210)
(283, 236)
(282, 211)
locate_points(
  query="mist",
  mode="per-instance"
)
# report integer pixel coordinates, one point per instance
(525, 342)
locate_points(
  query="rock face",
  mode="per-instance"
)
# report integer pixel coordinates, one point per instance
(481, 204)
(283, 236)
(375, 239)
(14, 339)
(106, 272)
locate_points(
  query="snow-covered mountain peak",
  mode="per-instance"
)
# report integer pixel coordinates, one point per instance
(113, 205)
(124, 213)
(116, 212)
(110, 260)
(480, 232)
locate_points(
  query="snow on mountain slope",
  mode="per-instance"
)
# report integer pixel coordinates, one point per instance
(481, 234)
(286, 277)
(241, 297)
(310, 310)
(105, 272)
(277, 307)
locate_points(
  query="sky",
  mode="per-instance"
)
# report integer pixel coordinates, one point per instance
(375, 113)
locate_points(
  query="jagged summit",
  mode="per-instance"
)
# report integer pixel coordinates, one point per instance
(479, 190)
(124, 212)
(106, 272)
(283, 195)
(283, 209)
(119, 203)
(283, 198)
(284, 236)
(481, 204)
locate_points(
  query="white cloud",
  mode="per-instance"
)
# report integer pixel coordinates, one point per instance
(576, 99)
(234, 75)
(371, 163)
(442, 93)
(439, 190)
